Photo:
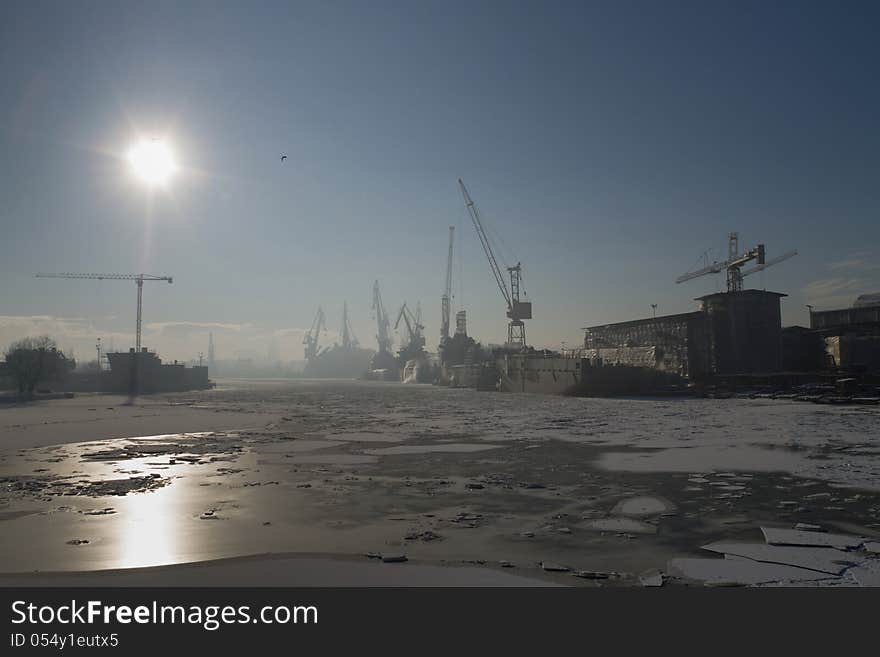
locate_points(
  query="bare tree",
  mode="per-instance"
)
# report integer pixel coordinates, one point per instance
(33, 360)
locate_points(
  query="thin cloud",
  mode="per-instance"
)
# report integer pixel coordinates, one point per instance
(861, 261)
(180, 328)
(835, 292)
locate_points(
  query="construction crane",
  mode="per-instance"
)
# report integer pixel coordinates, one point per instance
(349, 340)
(516, 310)
(414, 327)
(382, 335)
(211, 350)
(310, 339)
(447, 292)
(137, 278)
(734, 263)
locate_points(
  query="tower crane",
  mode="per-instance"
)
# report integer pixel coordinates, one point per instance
(734, 263)
(516, 310)
(382, 336)
(310, 339)
(447, 292)
(137, 278)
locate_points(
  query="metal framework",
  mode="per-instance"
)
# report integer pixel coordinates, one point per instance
(382, 336)
(447, 292)
(414, 326)
(349, 339)
(516, 310)
(137, 278)
(734, 263)
(310, 339)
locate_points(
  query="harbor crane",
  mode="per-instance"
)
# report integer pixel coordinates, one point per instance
(414, 326)
(137, 278)
(310, 339)
(516, 310)
(734, 263)
(382, 335)
(349, 340)
(447, 292)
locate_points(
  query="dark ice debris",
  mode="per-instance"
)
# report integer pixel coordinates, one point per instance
(393, 558)
(591, 574)
(423, 536)
(553, 567)
(99, 512)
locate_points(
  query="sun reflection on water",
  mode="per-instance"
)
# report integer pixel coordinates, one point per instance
(148, 535)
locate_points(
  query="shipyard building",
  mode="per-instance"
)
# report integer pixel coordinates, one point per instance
(732, 333)
(145, 372)
(850, 336)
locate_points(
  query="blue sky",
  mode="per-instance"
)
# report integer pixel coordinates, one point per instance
(608, 146)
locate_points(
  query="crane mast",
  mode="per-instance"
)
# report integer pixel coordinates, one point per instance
(403, 315)
(447, 292)
(348, 338)
(137, 278)
(382, 336)
(310, 339)
(413, 325)
(516, 310)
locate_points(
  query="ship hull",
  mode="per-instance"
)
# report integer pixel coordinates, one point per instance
(554, 375)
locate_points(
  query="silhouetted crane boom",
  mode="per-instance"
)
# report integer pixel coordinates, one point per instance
(735, 261)
(484, 241)
(414, 328)
(516, 310)
(447, 291)
(408, 319)
(382, 337)
(349, 339)
(310, 339)
(714, 268)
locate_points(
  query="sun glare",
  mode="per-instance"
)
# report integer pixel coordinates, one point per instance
(152, 161)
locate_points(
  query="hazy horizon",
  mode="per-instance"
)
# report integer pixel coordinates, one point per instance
(607, 145)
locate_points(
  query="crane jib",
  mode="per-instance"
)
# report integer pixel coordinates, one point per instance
(137, 278)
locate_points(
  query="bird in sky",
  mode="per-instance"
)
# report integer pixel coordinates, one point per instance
(283, 157)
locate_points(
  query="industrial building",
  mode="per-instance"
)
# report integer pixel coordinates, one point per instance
(851, 335)
(672, 343)
(143, 372)
(733, 333)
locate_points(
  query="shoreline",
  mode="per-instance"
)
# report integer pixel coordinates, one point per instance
(283, 570)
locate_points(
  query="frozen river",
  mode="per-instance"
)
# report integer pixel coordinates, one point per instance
(512, 483)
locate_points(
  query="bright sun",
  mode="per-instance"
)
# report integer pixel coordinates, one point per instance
(152, 161)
